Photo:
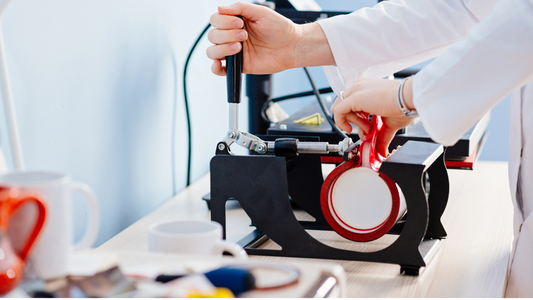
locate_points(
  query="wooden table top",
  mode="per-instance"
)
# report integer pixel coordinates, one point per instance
(472, 261)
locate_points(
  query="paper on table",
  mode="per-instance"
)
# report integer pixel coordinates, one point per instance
(86, 264)
(145, 271)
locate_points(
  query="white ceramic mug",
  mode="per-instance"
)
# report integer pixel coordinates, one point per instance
(191, 237)
(361, 201)
(49, 257)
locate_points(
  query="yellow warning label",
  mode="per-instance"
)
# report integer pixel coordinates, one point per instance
(313, 119)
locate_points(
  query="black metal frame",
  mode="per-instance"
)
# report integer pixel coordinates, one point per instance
(262, 185)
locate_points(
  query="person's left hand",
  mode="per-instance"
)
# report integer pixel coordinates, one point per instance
(371, 96)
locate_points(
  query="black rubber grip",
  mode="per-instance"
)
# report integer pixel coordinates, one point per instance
(234, 76)
(287, 147)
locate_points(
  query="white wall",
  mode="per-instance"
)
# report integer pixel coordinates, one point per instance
(94, 85)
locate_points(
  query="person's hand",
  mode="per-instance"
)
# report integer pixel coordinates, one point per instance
(268, 38)
(271, 42)
(373, 96)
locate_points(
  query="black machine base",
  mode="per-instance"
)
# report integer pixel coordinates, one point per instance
(428, 248)
(262, 185)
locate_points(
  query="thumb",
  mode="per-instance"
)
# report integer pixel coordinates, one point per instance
(248, 11)
(385, 137)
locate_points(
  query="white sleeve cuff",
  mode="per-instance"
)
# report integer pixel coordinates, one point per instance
(335, 79)
(431, 117)
(337, 48)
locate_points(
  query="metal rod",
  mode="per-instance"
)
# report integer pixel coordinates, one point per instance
(234, 116)
(309, 147)
(271, 147)
(334, 148)
(313, 147)
(7, 96)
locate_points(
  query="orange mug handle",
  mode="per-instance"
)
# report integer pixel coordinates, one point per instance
(371, 139)
(18, 202)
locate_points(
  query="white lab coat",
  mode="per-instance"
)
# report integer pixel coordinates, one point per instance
(485, 51)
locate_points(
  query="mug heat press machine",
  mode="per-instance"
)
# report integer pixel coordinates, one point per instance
(284, 169)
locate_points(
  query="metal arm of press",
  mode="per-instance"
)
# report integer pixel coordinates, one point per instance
(283, 147)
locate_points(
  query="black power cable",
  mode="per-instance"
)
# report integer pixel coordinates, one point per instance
(302, 94)
(315, 92)
(267, 103)
(323, 106)
(186, 102)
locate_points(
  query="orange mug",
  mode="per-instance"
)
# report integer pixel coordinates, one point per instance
(12, 263)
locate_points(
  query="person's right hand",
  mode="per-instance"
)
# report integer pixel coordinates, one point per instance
(378, 97)
(269, 38)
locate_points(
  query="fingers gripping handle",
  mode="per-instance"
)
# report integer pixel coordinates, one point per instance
(234, 76)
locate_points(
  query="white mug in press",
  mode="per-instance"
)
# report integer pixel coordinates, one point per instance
(49, 257)
(191, 237)
(359, 202)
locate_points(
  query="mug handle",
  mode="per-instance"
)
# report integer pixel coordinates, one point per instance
(39, 223)
(235, 250)
(93, 225)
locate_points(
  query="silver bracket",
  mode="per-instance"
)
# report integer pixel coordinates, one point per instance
(246, 140)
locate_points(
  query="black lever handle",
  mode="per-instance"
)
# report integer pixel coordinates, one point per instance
(234, 76)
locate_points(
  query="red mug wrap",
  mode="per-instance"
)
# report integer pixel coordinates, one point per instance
(365, 159)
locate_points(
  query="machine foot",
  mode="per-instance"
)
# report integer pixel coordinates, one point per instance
(410, 270)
